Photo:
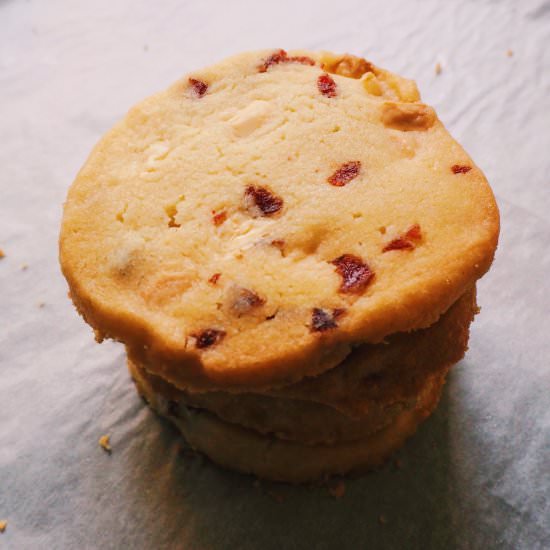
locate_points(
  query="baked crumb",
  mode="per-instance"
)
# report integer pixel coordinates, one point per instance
(24, 267)
(41, 304)
(3, 525)
(104, 443)
(438, 68)
(2, 254)
(338, 489)
(382, 520)
(509, 53)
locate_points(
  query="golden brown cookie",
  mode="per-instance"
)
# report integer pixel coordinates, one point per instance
(360, 396)
(252, 223)
(247, 451)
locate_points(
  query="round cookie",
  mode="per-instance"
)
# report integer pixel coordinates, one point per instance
(246, 451)
(362, 395)
(250, 224)
(287, 419)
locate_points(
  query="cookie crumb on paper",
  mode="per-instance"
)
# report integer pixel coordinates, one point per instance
(438, 68)
(104, 441)
(509, 53)
(3, 525)
(2, 254)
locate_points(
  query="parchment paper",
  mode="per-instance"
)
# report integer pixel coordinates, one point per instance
(477, 473)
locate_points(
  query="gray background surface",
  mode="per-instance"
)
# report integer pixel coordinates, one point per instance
(477, 475)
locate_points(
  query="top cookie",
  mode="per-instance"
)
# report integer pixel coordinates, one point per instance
(248, 225)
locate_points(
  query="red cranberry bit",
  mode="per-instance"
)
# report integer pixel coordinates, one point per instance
(260, 201)
(326, 85)
(282, 57)
(406, 241)
(344, 174)
(321, 320)
(278, 57)
(302, 59)
(414, 232)
(356, 274)
(219, 218)
(460, 168)
(209, 337)
(215, 278)
(398, 244)
(198, 87)
(243, 300)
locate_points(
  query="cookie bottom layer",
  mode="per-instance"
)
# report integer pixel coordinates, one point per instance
(244, 450)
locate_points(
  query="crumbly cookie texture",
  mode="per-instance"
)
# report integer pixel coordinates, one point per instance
(3, 525)
(251, 223)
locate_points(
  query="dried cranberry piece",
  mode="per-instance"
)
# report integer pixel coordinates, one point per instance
(322, 320)
(281, 56)
(214, 279)
(198, 87)
(398, 244)
(260, 201)
(326, 85)
(302, 59)
(243, 300)
(405, 242)
(460, 168)
(414, 232)
(209, 337)
(219, 218)
(278, 57)
(344, 174)
(355, 273)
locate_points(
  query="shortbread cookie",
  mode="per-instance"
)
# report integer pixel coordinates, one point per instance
(237, 448)
(362, 395)
(253, 222)
(286, 419)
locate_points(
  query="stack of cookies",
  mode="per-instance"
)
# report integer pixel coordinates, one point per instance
(288, 245)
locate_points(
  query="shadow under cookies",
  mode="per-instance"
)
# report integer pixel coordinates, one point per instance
(406, 504)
